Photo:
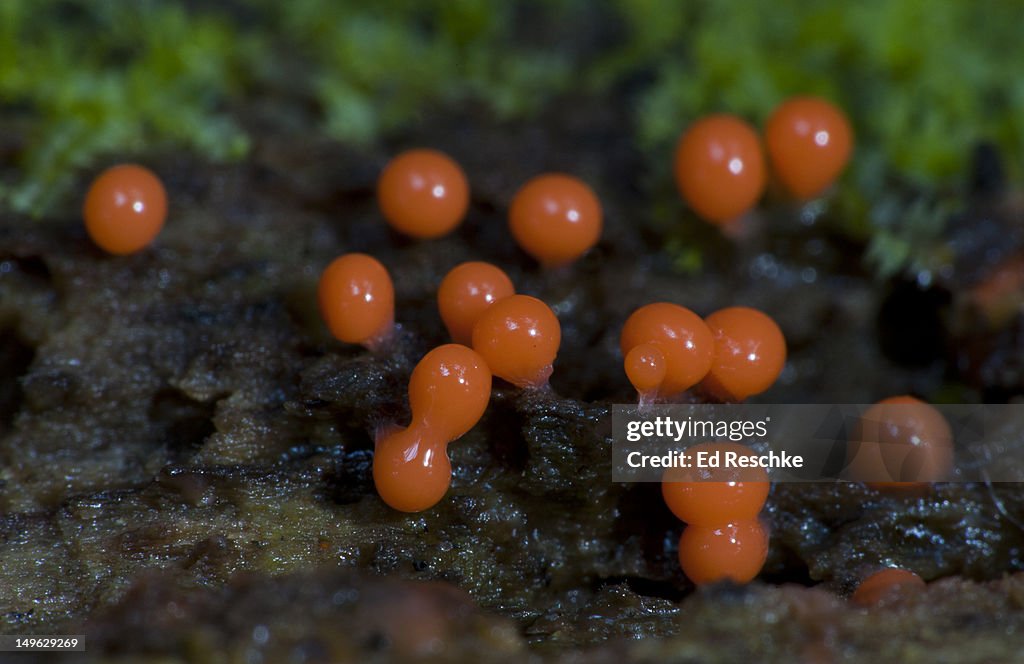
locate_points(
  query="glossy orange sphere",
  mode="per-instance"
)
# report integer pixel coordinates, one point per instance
(646, 368)
(423, 193)
(734, 551)
(885, 585)
(555, 218)
(682, 337)
(809, 143)
(357, 300)
(900, 442)
(715, 496)
(125, 209)
(750, 353)
(449, 391)
(465, 292)
(518, 337)
(719, 167)
(411, 469)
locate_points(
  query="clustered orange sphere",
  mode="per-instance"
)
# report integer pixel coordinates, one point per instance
(423, 193)
(750, 352)
(555, 218)
(646, 367)
(465, 292)
(731, 551)
(449, 390)
(357, 300)
(125, 209)
(886, 585)
(901, 443)
(724, 538)
(682, 338)
(448, 393)
(720, 165)
(737, 352)
(519, 338)
(710, 496)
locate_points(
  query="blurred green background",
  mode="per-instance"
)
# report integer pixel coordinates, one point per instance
(922, 81)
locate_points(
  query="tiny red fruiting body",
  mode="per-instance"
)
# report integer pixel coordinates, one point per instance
(734, 551)
(411, 469)
(519, 337)
(901, 442)
(682, 337)
(713, 496)
(423, 193)
(448, 393)
(750, 353)
(719, 167)
(357, 300)
(646, 368)
(809, 142)
(884, 585)
(125, 209)
(465, 292)
(555, 218)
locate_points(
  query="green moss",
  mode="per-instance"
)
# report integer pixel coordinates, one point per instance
(376, 69)
(109, 78)
(93, 87)
(922, 82)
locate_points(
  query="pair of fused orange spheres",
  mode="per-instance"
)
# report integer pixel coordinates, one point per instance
(555, 218)
(723, 538)
(517, 335)
(737, 352)
(448, 393)
(720, 165)
(125, 209)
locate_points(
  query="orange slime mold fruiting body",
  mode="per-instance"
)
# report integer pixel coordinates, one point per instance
(682, 337)
(556, 218)
(734, 551)
(519, 337)
(809, 143)
(885, 585)
(423, 193)
(750, 353)
(714, 496)
(449, 391)
(411, 469)
(901, 443)
(719, 168)
(646, 369)
(465, 292)
(357, 300)
(125, 209)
